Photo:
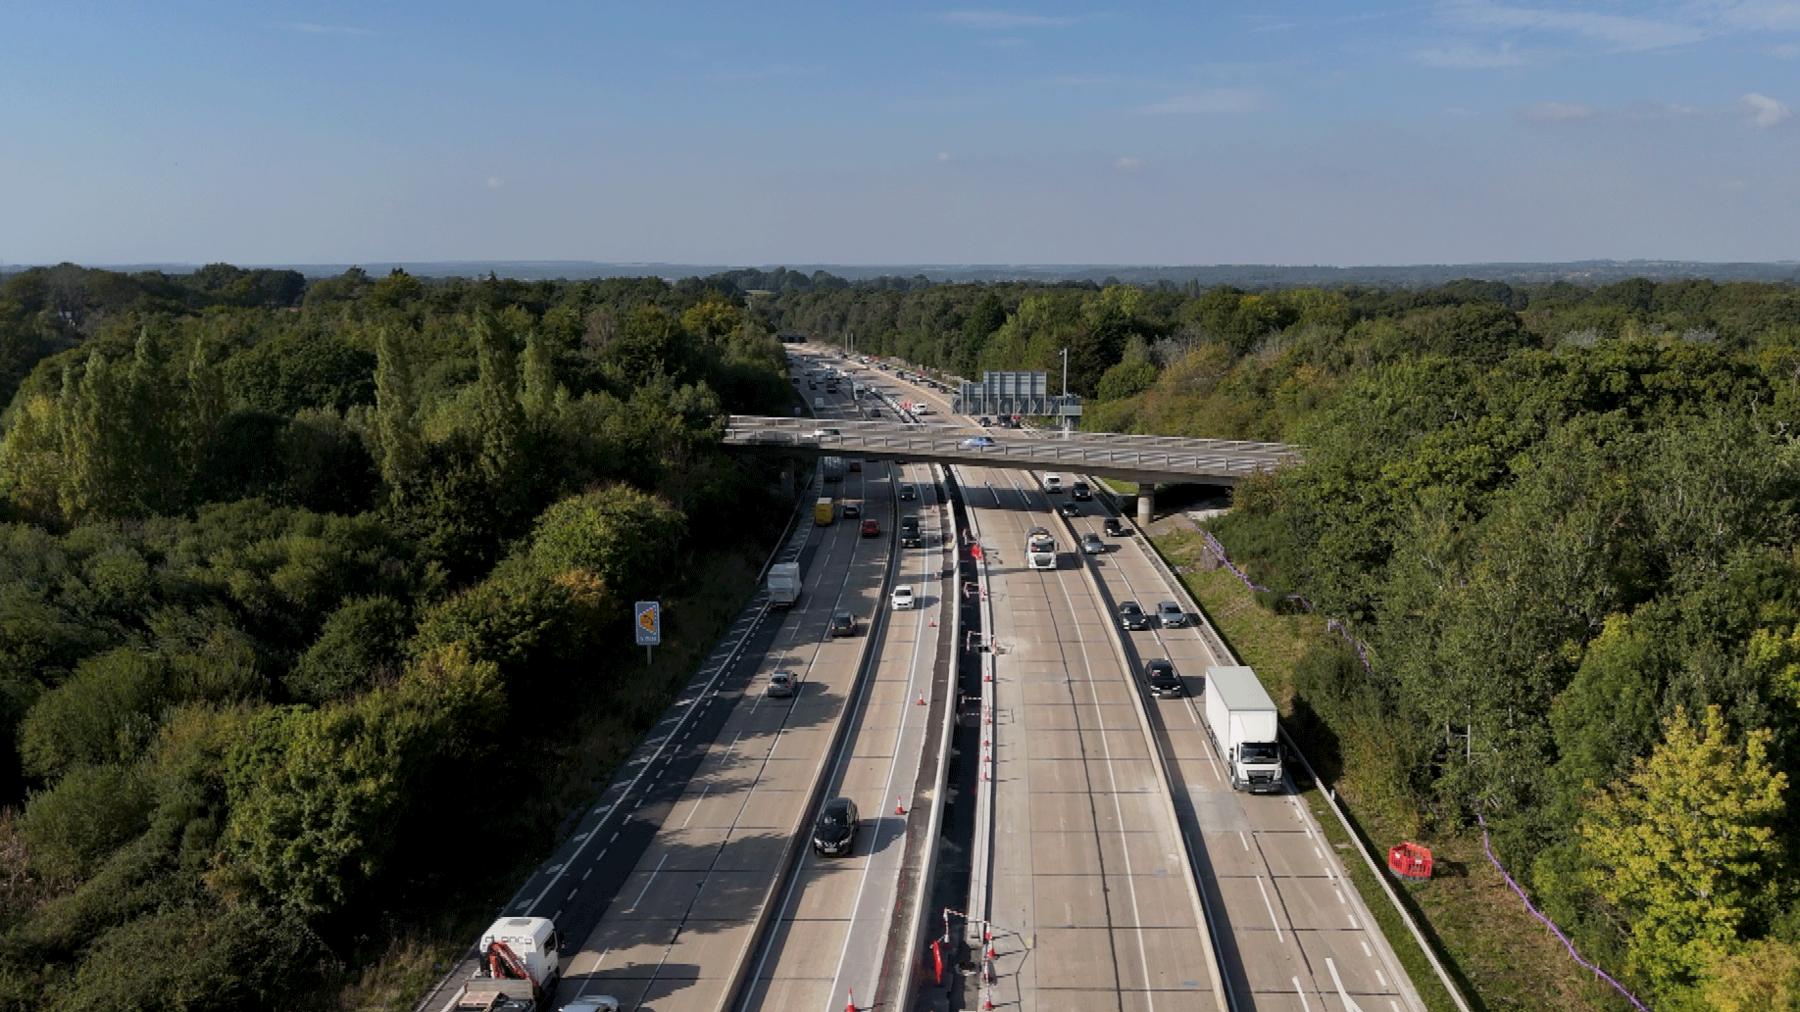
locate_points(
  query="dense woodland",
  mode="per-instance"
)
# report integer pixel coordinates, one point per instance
(303, 588)
(1563, 522)
(287, 563)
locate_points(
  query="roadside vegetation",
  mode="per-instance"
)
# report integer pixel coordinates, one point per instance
(1562, 521)
(315, 608)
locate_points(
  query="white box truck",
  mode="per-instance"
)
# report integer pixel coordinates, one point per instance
(784, 584)
(1241, 720)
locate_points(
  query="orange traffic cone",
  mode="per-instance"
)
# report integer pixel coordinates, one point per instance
(899, 808)
(851, 1005)
(921, 699)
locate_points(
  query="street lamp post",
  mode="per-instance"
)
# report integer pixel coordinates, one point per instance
(1063, 408)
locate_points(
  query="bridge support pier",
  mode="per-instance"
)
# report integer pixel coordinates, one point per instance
(1146, 503)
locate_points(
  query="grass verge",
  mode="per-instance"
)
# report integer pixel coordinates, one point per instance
(1500, 957)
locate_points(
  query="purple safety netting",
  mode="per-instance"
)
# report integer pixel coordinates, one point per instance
(1548, 923)
(1343, 631)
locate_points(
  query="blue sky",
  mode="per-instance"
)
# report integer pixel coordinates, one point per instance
(1175, 133)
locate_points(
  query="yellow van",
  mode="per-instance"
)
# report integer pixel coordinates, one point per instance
(824, 511)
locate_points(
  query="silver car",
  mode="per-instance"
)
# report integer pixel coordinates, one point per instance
(1170, 615)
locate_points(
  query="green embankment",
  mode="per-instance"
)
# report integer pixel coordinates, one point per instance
(1501, 957)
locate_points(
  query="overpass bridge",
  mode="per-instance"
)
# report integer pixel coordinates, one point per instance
(1147, 460)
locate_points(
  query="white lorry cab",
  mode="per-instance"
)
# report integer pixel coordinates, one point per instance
(519, 964)
(1040, 549)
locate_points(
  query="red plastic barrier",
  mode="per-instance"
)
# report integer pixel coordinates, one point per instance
(1410, 860)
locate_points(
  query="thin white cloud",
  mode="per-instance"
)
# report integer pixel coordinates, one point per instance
(1759, 15)
(1786, 51)
(1126, 163)
(1558, 112)
(1467, 56)
(1212, 102)
(1002, 20)
(314, 28)
(1616, 31)
(1659, 111)
(1764, 111)
(944, 156)
(495, 182)
(1007, 42)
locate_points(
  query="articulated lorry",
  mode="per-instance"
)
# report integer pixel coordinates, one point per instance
(520, 961)
(1241, 720)
(784, 584)
(832, 468)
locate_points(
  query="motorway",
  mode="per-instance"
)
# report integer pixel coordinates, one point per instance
(1091, 902)
(1292, 932)
(833, 924)
(684, 927)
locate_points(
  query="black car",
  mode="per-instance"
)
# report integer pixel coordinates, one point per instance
(835, 831)
(1132, 617)
(1114, 526)
(1160, 673)
(843, 624)
(1069, 509)
(1081, 491)
(909, 533)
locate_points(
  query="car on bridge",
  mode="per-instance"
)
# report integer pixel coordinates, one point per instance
(843, 624)
(826, 433)
(852, 511)
(1081, 491)
(1115, 527)
(909, 492)
(903, 598)
(976, 443)
(871, 528)
(1068, 509)
(1092, 545)
(1053, 483)
(1170, 616)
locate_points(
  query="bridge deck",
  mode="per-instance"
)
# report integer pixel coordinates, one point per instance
(1114, 455)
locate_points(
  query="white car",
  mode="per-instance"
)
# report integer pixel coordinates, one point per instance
(921, 409)
(903, 598)
(825, 433)
(1053, 483)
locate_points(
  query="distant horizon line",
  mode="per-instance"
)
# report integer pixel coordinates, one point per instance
(880, 265)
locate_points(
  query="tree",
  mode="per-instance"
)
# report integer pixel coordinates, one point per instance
(401, 453)
(1762, 976)
(1681, 845)
(358, 644)
(618, 533)
(539, 392)
(498, 419)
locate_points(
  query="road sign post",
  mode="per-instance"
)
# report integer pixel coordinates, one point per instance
(648, 626)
